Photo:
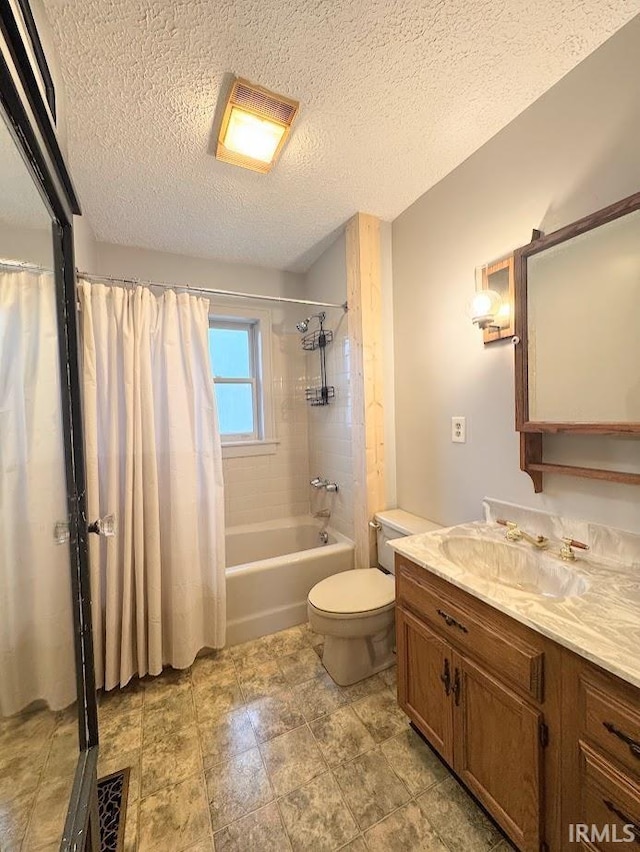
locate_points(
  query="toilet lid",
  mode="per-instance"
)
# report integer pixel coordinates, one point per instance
(357, 590)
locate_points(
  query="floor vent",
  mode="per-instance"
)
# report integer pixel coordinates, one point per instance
(112, 809)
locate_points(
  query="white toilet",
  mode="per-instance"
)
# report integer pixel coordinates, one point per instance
(354, 610)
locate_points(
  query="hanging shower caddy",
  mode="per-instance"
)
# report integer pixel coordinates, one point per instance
(319, 339)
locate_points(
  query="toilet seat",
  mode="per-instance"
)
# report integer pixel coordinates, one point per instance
(357, 592)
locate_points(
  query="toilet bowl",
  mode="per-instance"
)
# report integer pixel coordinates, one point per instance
(355, 610)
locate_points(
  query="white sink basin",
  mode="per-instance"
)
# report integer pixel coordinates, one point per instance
(512, 565)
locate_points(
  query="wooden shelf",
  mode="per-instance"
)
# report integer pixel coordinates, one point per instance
(587, 472)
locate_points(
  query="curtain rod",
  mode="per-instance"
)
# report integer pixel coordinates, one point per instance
(209, 292)
(23, 264)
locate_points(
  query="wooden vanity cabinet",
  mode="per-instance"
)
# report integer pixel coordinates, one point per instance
(544, 739)
(473, 682)
(602, 756)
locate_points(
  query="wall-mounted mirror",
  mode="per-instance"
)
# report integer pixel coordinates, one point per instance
(38, 718)
(578, 359)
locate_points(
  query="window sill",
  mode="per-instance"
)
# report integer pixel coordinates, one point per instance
(240, 449)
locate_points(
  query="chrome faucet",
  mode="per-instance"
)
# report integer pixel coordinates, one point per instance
(514, 533)
(319, 482)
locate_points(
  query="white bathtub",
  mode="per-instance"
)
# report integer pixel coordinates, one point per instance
(271, 567)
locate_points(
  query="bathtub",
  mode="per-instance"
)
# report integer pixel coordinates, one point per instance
(271, 567)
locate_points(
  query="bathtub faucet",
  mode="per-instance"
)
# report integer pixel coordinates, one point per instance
(319, 482)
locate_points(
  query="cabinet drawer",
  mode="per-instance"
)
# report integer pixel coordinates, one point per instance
(610, 723)
(499, 650)
(610, 803)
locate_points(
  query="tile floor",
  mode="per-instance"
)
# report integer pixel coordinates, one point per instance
(255, 748)
(38, 756)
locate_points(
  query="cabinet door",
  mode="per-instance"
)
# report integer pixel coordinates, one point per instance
(425, 680)
(609, 805)
(498, 751)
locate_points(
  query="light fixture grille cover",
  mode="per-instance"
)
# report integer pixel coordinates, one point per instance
(264, 104)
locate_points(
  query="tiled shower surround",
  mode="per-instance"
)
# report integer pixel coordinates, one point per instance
(312, 440)
(264, 487)
(330, 428)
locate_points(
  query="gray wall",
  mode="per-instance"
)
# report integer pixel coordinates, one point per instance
(572, 152)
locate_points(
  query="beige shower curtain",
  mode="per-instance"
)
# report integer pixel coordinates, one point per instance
(154, 460)
(37, 658)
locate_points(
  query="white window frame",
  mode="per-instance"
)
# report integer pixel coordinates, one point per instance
(258, 323)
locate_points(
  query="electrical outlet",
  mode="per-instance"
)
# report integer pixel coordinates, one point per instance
(459, 430)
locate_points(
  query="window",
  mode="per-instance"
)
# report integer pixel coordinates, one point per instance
(240, 360)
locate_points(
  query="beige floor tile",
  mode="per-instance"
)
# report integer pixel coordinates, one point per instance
(292, 759)
(370, 788)
(405, 830)
(174, 818)
(130, 760)
(170, 759)
(413, 761)
(390, 677)
(117, 700)
(253, 648)
(286, 642)
(369, 686)
(381, 715)
(27, 732)
(274, 715)
(357, 845)
(131, 825)
(21, 774)
(14, 816)
(237, 787)
(310, 636)
(213, 700)
(457, 818)
(204, 845)
(318, 697)
(226, 736)
(341, 736)
(260, 831)
(48, 815)
(260, 679)
(169, 683)
(301, 666)
(166, 716)
(316, 816)
(63, 756)
(215, 671)
(121, 734)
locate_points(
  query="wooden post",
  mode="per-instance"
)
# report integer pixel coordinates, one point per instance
(365, 375)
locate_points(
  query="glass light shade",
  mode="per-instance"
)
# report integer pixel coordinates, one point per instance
(486, 308)
(251, 136)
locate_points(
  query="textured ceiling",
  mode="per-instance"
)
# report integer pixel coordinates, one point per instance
(394, 94)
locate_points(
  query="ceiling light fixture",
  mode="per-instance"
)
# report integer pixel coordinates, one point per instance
(255, 126)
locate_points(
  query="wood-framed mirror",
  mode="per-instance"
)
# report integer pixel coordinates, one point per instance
(577, 358)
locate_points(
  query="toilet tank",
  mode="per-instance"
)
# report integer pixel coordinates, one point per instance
(394, 523)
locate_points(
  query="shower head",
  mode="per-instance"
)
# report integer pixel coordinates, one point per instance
(303, 326)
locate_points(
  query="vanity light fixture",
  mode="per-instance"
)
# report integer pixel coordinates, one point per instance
(255, 126)
(491, 306)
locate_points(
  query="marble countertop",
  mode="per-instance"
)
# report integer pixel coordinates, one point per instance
(602, 624)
